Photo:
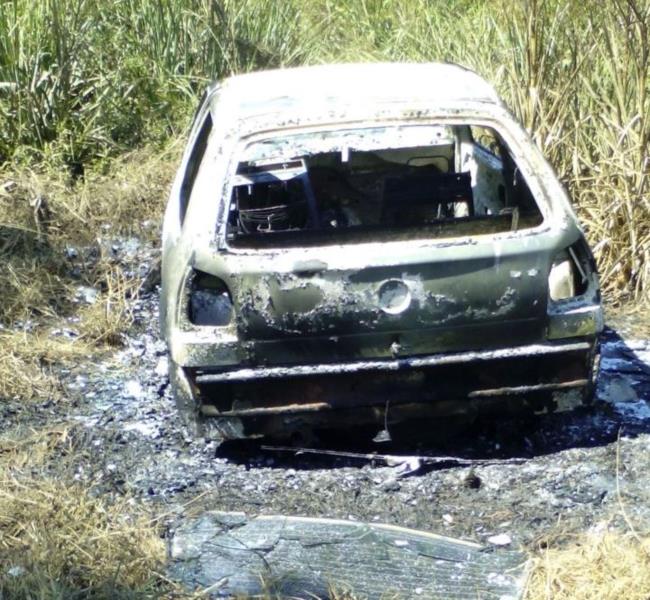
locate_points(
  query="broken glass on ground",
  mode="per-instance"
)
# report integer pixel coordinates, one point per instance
(229, 554)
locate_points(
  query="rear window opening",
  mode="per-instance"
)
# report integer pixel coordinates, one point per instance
(377, 184)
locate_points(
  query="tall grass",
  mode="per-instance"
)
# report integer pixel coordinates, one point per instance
(80, 80)
(99, 77)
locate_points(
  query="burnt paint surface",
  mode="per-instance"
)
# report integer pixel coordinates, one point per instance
(342, 314)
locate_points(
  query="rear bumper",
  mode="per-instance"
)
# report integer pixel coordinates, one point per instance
(544, 377)
(435, 360)
(221, 352)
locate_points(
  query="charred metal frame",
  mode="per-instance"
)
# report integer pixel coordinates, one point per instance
(392, 365)
(204, 356)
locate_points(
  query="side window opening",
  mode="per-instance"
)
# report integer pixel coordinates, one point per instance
(487, 139)
(375, 184)
(498, 184)
(193, 163)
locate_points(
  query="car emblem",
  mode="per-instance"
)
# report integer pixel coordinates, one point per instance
(394, 296)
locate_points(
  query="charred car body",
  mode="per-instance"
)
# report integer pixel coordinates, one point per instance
(368, 243)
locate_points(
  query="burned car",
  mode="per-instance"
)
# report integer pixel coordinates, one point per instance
(367, 244)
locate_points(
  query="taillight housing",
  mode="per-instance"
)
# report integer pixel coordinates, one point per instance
(567, 277)
(209, 301)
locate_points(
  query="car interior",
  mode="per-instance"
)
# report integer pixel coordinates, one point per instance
(374, 184)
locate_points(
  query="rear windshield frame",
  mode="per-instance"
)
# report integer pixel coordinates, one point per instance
(515, 149)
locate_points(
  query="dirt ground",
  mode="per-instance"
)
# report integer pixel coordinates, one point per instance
(551, 476)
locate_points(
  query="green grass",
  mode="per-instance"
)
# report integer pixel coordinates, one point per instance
(81, 81)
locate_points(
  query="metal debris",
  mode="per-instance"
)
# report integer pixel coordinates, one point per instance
(406, 464)
(501, 539)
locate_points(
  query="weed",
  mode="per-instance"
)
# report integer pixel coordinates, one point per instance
(27, 362)
(607, 566)
(55, 237)
(57, 541)
(106, 320)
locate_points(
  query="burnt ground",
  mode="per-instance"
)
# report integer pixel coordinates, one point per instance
(127, 439)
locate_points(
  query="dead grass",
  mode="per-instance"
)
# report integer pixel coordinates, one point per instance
(42, 213)
(607, 566)
(29, 449)
(27, 361)
(56, 539)
(118, 196)
(59, 541)
(106, 320)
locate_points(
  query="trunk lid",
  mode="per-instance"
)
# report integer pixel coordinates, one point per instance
(391, 299)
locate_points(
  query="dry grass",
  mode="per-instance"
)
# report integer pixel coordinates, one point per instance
(27, 361)
(59, 541)
(56, 539)
(29, 450)
(65, 542)
(603, 563)
(42, 214)
(106, 320)
(117, 197)
(606, 566)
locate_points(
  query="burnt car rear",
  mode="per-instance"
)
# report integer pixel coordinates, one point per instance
(382, 252)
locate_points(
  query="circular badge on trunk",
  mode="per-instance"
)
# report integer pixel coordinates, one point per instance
(394, 296)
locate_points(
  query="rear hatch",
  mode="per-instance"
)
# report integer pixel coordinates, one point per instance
(390, 300)
(390, 241)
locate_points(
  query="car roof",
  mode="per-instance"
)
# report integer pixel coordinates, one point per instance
(440, 84)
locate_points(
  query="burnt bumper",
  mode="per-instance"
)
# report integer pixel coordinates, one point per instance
(553, 376)
(533, 350)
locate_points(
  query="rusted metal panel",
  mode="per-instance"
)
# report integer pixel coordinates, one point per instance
(286, 409)
(526, 389)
